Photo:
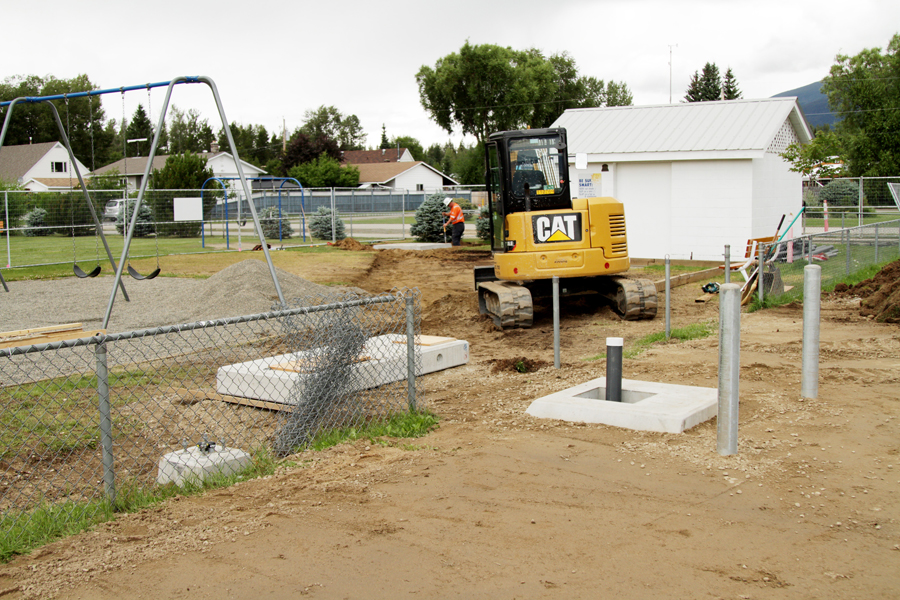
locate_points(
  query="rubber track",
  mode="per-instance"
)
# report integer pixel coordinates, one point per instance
(635, 298)
(508, 304)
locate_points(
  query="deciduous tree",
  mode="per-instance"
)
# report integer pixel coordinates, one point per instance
(329, 122)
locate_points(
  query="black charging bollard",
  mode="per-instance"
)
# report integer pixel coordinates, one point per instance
(614, 369)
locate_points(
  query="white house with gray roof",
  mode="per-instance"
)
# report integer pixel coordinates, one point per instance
(39, 167)
(693, 177)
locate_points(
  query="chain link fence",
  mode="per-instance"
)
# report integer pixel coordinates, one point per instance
(840, 253)
(47, 228)
(87, 421)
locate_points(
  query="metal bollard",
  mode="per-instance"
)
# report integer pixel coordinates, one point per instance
(759, 274)
(556, 321)
(729, 367)
(614, 368)
(411, 352)
(812, 297)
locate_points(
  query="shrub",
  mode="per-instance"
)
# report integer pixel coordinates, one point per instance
(840, 192)
(429, 221)
(483, 226)
(144, 226)
(35, 220)
(320, 225)
(269, 221)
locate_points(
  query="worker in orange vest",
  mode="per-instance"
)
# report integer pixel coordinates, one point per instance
(456, 219)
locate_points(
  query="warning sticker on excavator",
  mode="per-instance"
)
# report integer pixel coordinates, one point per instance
(563, 227)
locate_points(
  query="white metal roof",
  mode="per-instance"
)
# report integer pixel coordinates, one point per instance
(688, 131)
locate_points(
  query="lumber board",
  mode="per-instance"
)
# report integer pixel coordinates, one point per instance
(429, 340)
(193, 396)
(31, 340)
(37, 330)
(705, 298)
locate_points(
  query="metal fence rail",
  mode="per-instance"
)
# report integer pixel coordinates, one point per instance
(85, 421)
(840, 252)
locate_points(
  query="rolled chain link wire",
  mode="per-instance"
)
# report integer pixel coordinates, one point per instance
(268, 382)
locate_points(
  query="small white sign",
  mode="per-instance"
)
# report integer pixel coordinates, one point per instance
(188, 209)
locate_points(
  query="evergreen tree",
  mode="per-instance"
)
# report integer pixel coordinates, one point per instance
(730, 87)
(385, 144)
(139, 128)
(707, 85)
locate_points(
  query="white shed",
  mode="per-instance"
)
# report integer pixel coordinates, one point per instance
(693, 177)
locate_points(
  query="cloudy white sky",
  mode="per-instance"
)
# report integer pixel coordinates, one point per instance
(273, 60)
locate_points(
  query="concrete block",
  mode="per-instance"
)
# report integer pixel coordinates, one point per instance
(645, 406)
(273, 378)
(193, 464)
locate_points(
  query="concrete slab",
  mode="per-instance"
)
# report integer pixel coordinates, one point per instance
(645, 406)
(412, 246)
(193, 464)
(273, 378)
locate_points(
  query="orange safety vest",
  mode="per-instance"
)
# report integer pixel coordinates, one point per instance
(456, 215)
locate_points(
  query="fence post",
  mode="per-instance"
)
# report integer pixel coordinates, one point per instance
(759, 273)
(109, 475)
(669, 291)
(352, 208)
(727, 263)
(333, 216)
(410, 351)
(848, 252)
(6, 220)
(876, 243)
(403, 213)
(860, 200)
(556, 321)
(729, 368)
(812, 294)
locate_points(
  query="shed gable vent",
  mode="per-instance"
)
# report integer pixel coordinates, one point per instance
(784, 138)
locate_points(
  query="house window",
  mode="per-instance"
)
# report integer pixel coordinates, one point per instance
(58, 167)
(420, 187)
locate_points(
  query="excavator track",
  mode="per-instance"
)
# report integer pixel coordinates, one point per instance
(508, 304)
(632, 299)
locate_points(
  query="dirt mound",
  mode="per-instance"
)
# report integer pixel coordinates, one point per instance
(880, 295)
(351, 244)
(518, 365)
(248, 285)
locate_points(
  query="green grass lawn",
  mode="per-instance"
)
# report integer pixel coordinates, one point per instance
(851, 219)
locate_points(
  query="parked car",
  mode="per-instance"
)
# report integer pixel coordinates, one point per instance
(113, 209)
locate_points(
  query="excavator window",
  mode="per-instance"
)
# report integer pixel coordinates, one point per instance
(535, 164)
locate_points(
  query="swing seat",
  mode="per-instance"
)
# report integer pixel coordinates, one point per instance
(82, 275)
(135, 275)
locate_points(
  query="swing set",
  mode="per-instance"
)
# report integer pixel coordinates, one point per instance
(118, 267)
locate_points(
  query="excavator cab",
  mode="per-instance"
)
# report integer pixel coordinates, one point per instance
(528, 171)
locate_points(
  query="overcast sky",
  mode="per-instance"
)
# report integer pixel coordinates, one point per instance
(274, 60)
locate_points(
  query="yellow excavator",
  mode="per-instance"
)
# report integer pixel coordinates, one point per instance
(538, 231)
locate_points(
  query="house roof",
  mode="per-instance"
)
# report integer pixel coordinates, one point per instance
(137, 164)
(15, 161)
(693, 130)
(362, 157)
(382, 173)
(55, 182)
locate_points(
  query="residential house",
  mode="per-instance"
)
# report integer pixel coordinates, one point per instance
(222, 165)
(694, 176)
(360, 157)
(40, 167)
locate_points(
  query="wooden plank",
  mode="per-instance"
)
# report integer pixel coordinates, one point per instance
(429, 340)
(40, 330)
(46, 339)
(705, 298)
(199, 395)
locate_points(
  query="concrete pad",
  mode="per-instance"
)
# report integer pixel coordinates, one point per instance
(645, 406)
(412, 246)
(195, 465)
(383, 361)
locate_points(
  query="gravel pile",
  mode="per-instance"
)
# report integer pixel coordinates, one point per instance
(241, 289)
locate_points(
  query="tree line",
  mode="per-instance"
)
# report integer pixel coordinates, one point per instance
(480, 89)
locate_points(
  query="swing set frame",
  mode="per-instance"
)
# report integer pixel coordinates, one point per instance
(119, 268)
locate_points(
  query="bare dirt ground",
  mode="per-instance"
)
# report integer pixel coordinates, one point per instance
(496, 504)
